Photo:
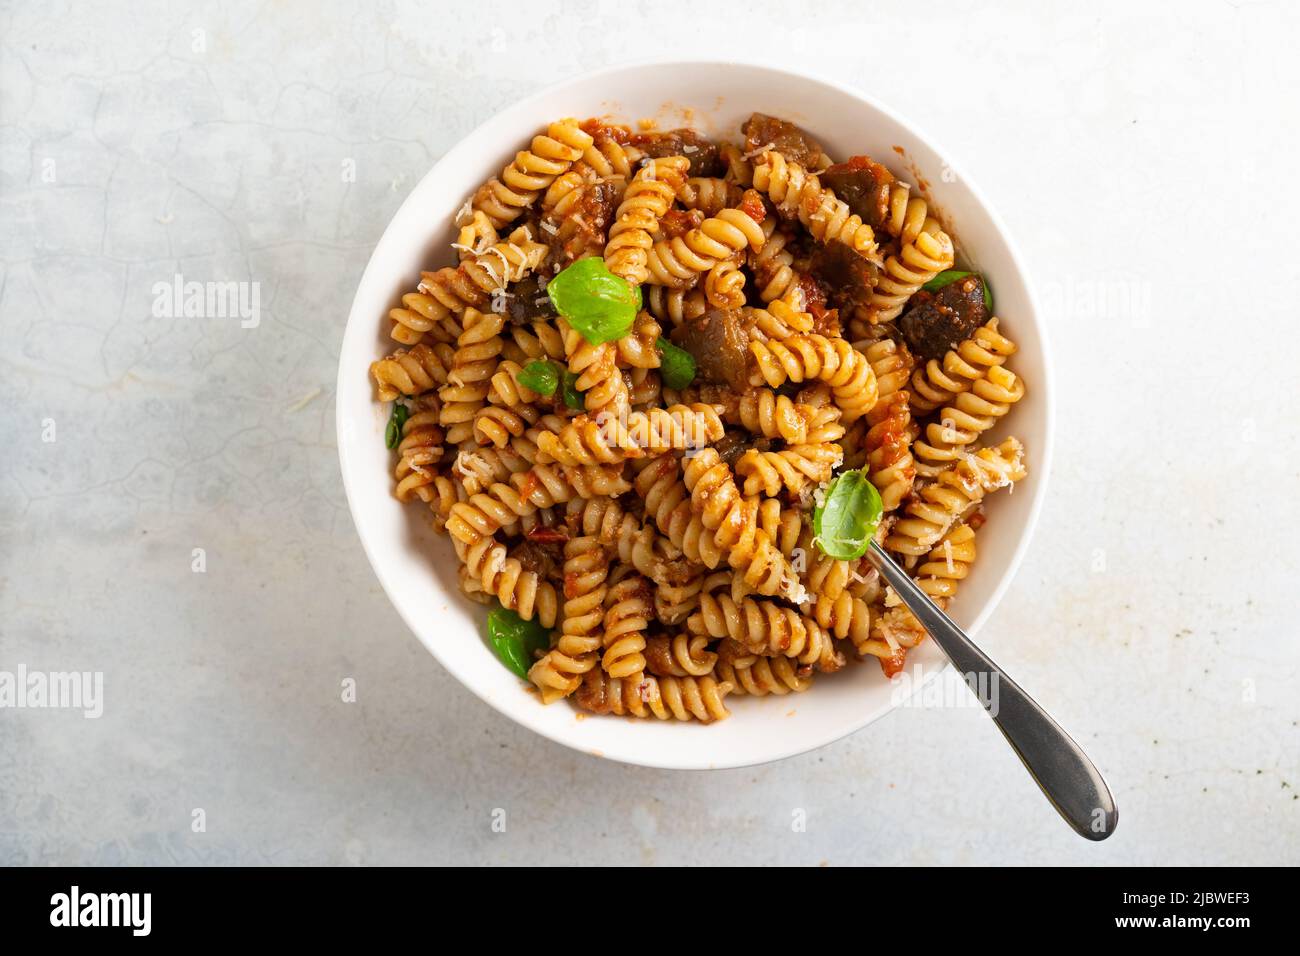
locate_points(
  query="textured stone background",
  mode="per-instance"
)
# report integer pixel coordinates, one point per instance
(1145, 161)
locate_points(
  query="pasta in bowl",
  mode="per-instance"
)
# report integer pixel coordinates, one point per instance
(628, 383)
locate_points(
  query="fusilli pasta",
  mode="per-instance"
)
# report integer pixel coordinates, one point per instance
(645, 497)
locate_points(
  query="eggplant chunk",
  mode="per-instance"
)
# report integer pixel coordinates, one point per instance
(719, 342)
(787, 139)
(938, 321)
(864, 184)
(847, 276)
(703, 154)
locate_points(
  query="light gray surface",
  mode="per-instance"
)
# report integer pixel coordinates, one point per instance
(1145, 163)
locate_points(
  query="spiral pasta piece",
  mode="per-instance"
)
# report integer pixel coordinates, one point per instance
(678, 594)
(605, 439)
(906, 214)
(503, 199)
(644, 695)
(891, 363)
(890, 462)
(419, 452)
(647, 199)
(412, 371)
(777, 322)
(765, 627)
(766, 413)
(939, 382)
(679, 656)
(638, 349)
(476, 235)
(956, 492)
(906, 271)
(799, 194)
(645, 389)
(758, 676)
(610, 159)
(422, 319)
(598, 376)
(948, 564)
(562, 195)
(474, 363)
(680, 261)
(629, 608)
(440, 494)
(534, 342)
(481, 279)
(504, 387)
(802, 358)
(971, 414)
(791, 469)
(773, 266)
(784, 525)
(558, 673)
(733, 522)
(542, 486)
(724, 284)
(675, 306)
(498, 425)
(481, 468)
(739, 168)
(709, 195)
(504, 577)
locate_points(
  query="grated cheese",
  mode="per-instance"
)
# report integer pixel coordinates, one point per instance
(754, 152)
(467, 210)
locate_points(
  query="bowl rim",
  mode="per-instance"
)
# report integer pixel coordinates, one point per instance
(1044, 390)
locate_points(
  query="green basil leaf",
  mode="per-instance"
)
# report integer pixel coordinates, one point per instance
(847, 517)
(677, 366)
(598, 304)
(396, 420)
(514, 640)
(541, 377)
(572, 397)
(945, 278)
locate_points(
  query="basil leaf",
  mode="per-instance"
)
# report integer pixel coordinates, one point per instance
(847, 517)
(572, 397)
(948, 277)
(541, 377)
(514, 640)
(945, 278)
(396, 421)
(677, 366)
(598, 304)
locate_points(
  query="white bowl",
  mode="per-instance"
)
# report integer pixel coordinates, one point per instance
(418, 569)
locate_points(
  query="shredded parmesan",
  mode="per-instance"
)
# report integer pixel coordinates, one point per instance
(465, 211)
(754, 152)
(501, 279)
(947, 553)
(796, 592)
(549, 227)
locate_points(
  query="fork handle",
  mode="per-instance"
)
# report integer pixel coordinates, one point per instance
(1058, 765)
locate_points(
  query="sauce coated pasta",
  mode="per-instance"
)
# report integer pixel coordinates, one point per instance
(625, 394)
